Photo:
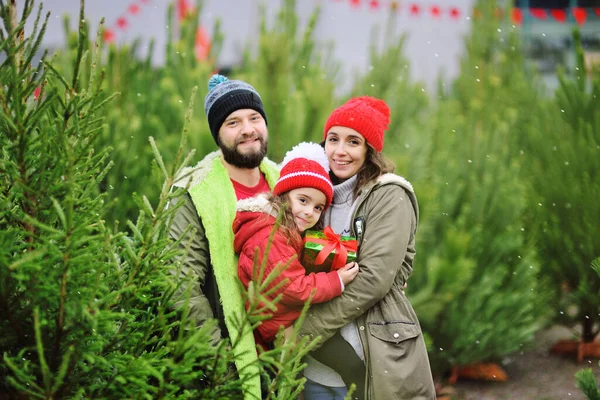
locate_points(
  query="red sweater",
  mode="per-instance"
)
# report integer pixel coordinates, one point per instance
(252, 231)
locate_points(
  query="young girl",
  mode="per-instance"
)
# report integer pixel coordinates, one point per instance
(303, 191)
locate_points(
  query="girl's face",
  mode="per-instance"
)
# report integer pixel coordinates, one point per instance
(306, 205)
(346, 150)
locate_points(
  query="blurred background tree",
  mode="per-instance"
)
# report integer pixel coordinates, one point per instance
(87, 310)
(585, 378)
(477, 290)
(150, 102)
(563, 140)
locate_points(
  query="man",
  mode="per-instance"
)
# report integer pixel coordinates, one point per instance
(237, 171)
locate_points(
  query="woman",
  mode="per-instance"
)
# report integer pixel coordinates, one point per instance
(373, 315)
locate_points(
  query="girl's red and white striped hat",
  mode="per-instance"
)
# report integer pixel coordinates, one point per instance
(305, 165)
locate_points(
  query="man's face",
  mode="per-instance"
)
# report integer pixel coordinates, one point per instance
(243, 138)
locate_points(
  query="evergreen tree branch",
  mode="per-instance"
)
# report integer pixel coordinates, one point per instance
(80, 46)
(38, 40)
(46, 375)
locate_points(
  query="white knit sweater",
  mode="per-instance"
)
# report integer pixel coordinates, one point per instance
(338, 216)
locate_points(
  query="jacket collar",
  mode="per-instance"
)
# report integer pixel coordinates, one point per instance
(259, 203)
(389, 179)
(397, 179)
(189, 177)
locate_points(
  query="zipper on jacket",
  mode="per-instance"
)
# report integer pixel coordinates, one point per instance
(359, 224)
(359, 227)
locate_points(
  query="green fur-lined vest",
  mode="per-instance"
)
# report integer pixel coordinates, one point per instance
(214, 199)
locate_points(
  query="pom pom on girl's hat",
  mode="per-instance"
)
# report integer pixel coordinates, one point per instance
(305, 165)
(226, 96)
(367, 115)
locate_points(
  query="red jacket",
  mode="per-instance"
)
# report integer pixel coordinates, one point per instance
(252, 231)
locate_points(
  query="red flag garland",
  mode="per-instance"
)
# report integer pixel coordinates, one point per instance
(580, 14)
(559, 14)
(202, 42)
(517, 16)
(454, 13)
(437, 11)
(122, 23)
(183, 9)
(374, 4)
(133, 9)
(538, 13)
(108, 35)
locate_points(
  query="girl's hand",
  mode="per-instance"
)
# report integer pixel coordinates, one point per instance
(288, 333)
(289, 336)
(348, 272)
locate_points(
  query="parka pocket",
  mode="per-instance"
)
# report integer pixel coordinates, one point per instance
(394, 331)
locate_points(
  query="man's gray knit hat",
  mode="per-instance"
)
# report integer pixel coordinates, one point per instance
(224, 97)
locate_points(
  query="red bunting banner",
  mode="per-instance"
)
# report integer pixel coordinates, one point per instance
(122, 22)
(184, 8)
(438, 11)
(517, 16)
(559, 14)
(580, 14)
(411, 9)
(538, 13)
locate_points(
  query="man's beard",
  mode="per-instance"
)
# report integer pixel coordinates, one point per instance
(249, 161)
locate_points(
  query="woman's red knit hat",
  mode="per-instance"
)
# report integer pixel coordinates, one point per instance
(367, 115)
(306, 165)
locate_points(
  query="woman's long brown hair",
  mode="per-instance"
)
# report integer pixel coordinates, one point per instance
(376, 164)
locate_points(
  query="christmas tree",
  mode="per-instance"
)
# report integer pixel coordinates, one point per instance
(475, 287)
(585, 378)
(564, 138)
(151, 98)
(87, 310)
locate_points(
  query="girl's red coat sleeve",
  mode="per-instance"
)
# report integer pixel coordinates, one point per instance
(300, 286)
(252, 232)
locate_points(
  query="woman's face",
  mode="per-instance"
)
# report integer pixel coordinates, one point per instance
(346, 150)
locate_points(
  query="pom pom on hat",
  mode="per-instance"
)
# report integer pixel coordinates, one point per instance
(215, 80)
(367, 115)
(310, 151)
(305, 165)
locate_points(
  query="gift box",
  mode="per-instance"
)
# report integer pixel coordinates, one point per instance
(326, 251)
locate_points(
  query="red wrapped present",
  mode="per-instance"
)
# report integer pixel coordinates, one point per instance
(326, 251)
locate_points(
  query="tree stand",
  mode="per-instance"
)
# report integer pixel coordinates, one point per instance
(480, 371)
(579, 347)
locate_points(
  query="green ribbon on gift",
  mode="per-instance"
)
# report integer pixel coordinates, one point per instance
(333, 243)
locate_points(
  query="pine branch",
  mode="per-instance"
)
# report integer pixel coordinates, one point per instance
(80, 46)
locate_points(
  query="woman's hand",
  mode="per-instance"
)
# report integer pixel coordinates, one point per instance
(348, 272)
